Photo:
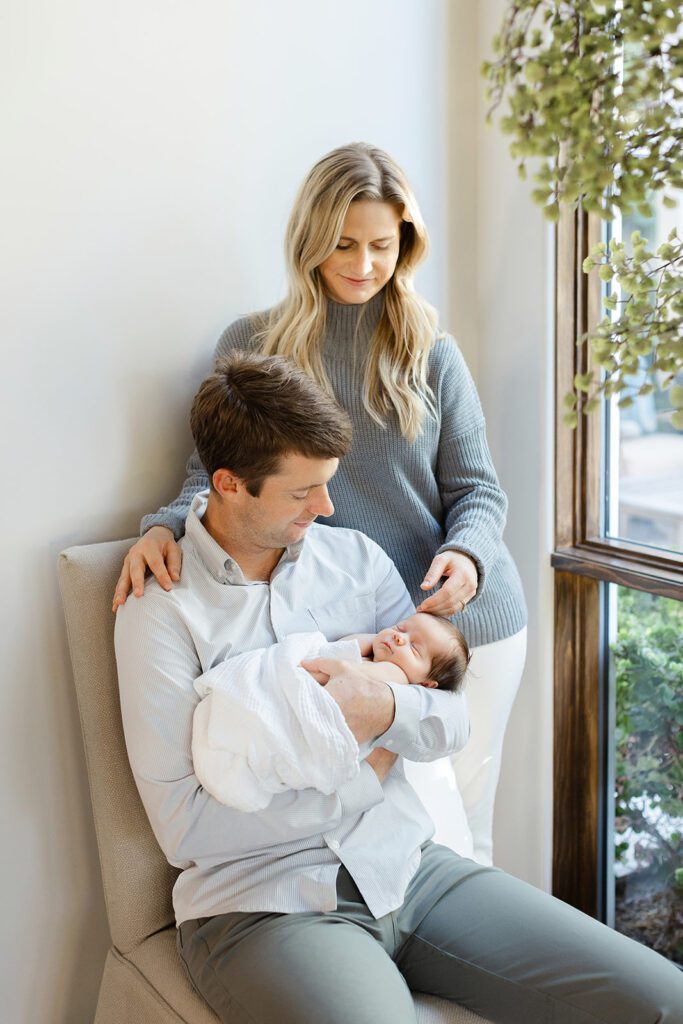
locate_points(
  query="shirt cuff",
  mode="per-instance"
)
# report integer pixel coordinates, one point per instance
(403, 731)
(361, 792)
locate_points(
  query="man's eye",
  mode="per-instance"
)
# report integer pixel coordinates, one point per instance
(300, 497)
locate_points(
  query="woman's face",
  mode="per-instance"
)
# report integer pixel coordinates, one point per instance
(366, 256)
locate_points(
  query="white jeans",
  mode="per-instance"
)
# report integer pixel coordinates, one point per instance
(459, 792)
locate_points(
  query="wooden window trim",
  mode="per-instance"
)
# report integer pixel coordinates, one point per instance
(584, 560)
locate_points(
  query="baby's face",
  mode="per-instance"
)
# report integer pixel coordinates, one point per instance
(412, 645)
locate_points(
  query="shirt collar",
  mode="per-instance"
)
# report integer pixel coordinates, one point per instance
(216, 560)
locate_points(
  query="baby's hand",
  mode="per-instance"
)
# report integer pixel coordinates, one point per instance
(311, 667)
(364, 642)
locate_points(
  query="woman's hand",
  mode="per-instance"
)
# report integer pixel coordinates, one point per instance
(158, 551)
(459, 588)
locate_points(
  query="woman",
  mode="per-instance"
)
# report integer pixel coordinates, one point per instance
(419, 478)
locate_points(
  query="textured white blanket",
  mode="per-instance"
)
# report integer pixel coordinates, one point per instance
(265, 725)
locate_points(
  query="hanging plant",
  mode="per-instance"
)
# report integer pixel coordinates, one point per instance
(647, 322)
(595, 90)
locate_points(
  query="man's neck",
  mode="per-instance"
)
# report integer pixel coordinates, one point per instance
(255, 563)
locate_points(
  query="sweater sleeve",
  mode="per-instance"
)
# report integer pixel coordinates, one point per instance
(474, 504)
(238, 335)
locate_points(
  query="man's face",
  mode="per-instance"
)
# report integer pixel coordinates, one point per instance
(290, 500)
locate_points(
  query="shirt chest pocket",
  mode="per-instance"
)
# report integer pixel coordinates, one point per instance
(348, 615)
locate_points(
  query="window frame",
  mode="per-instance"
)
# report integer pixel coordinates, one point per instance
(583, 561)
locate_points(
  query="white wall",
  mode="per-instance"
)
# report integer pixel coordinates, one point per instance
(500, 307)
(151, 153)
(514, 303)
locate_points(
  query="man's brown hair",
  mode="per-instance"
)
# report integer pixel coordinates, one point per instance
(255, 409)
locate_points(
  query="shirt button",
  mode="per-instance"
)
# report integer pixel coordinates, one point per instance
(334, 844)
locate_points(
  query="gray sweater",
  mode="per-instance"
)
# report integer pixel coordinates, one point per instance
(414, 499)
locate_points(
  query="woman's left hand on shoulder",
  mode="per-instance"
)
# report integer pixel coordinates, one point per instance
(458, 588)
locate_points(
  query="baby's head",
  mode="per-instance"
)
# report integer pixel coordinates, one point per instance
(428, 648)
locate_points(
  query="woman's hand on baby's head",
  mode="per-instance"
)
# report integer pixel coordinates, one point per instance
(459, 587)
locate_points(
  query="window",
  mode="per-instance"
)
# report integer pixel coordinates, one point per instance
(644, 887)
(618, 560)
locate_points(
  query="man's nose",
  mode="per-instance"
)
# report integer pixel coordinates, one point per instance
(321, 504)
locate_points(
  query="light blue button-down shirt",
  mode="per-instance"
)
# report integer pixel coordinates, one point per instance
(286, 857)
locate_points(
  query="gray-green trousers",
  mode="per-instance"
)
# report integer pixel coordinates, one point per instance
(465, 932)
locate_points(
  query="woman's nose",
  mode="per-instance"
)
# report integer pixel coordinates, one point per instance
(362, 264)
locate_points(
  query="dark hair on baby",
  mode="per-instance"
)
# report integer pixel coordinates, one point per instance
(449, 669)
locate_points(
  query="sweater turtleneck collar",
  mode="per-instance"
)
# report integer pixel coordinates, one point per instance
(343, 318)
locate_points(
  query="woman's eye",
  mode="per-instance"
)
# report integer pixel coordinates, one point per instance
(343, 248)
(381, 247)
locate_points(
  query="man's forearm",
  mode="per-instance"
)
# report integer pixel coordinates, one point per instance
(190, 825)
(367, 703)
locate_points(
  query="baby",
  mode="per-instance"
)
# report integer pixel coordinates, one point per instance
(424, 649)
(262, 726)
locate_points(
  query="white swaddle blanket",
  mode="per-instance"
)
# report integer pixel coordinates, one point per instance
(265, 725)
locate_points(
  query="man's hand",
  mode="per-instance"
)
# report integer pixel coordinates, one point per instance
(366, 704)
(381, 761)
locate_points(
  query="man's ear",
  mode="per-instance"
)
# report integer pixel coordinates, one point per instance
(431, 683)
(225, 482)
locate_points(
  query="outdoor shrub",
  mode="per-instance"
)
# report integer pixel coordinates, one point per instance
(648, 658)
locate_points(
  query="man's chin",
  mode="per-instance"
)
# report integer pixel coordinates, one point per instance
(299, 530)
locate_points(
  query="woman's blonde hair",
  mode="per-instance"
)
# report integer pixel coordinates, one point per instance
(395, 377)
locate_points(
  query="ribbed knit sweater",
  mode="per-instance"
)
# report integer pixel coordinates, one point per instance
(437, 493)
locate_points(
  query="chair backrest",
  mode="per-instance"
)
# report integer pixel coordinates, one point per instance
(137, 878)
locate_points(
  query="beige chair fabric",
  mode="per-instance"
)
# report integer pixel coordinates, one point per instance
(144, 981)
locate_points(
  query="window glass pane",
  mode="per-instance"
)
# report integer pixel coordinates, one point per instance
(644, 457)
(647, 769)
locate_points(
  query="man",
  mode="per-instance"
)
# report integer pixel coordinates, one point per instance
(332, 907)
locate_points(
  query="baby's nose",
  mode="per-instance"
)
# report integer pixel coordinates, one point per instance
(399, 639)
